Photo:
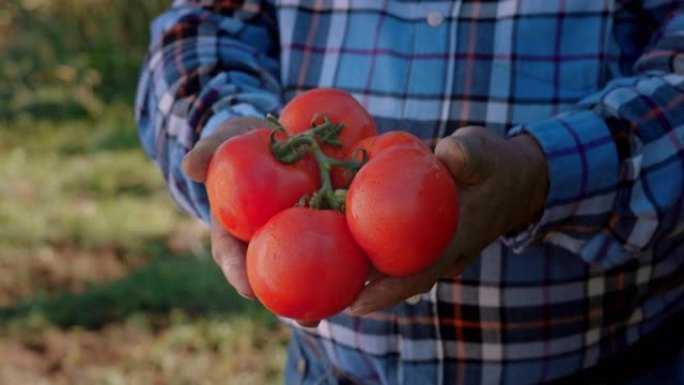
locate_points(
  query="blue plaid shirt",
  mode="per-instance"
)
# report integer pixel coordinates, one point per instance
(600, 85)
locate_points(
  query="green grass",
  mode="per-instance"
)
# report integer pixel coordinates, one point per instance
(69, 58)
(104, 280)
(83, 183)
(191, 285)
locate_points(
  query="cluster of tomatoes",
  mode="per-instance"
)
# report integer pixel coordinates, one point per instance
(321, 197)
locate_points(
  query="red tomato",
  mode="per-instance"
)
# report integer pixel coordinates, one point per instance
(373, 146)
(304, 264)
(338, 106)
(402, 208)
(376, 144)
(247, 185)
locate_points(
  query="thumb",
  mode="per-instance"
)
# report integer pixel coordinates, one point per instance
(197, 160)
(467, 154)
(386, 292)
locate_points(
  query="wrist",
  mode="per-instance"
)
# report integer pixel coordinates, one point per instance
(534, 178)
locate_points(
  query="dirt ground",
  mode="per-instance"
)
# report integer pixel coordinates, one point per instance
(142, 349)
(54, 270)
(183, 352)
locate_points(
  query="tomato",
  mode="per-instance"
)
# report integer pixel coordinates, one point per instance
(376, 144)
(339, 107)
(373, 146)
(246, 184)
(402, 208)
(304, 264)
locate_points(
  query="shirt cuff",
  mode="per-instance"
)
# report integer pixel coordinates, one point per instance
(226, 114)
(583, 176)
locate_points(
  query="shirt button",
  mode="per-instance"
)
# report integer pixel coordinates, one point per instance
(435, 18)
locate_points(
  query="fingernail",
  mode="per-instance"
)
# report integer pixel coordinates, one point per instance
(245, 295)
(412, 300)
(308, 324)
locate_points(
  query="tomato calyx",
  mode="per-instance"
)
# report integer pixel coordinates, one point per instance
(294, 148)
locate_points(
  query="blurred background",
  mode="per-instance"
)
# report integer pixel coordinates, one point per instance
(102, 279)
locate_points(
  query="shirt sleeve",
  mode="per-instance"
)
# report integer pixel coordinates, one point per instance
(616, 163)
(208, 61)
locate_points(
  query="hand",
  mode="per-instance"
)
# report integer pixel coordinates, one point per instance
(502, 187)
(228, 252)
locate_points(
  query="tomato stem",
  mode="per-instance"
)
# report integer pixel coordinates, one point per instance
(296, 147)
(324, 164)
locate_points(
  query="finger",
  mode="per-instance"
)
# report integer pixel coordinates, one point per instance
(229, 253)
(466, 154)
(373, 274)
(308, 324)
(457, 269)
(387, 292)
(197, 160)
(414, 299)
(451, 152)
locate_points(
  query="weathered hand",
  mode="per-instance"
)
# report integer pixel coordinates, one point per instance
(228, 252)
(502, 187)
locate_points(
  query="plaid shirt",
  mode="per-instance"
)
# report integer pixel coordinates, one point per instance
(598, 83)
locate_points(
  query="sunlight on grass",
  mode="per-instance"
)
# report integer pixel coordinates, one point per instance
(211, 350)
(57, 191)
(79, 198)
(105, 281)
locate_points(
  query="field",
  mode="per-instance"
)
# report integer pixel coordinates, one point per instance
(104, 280)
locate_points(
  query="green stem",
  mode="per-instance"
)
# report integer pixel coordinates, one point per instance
(343, 163)
(294, 148)
(325, 164)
